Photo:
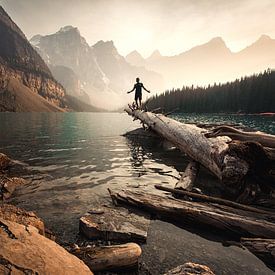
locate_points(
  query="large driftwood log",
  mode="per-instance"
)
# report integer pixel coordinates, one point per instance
(188, 177)
(228, 219)
(210, 152)
(205, 198)
(109, 257)
(265, 140)
(262, 248)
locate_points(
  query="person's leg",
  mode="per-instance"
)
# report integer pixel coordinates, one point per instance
(136, 103)
(140, 103)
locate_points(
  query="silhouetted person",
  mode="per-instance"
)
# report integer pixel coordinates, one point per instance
(138, 94)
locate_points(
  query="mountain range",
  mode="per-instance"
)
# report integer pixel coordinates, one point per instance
(209, 63)
(26, 82)
(97, 73)
(61, 71)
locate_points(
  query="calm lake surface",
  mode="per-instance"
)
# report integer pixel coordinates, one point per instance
(76, 156)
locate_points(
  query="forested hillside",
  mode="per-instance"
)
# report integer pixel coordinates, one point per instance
(252, 94)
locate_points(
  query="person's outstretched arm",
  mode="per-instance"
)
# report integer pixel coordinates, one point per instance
(146, 89)
(131, 90)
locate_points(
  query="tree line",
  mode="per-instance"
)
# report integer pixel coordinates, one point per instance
(254, 94)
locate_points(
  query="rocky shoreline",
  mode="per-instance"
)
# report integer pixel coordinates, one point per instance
(27, 246)
(30, 248)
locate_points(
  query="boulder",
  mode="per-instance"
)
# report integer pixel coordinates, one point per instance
(14, 214)
(114, 224)
(8, 185)
(24, 251)
(190, 269)
(4, 161)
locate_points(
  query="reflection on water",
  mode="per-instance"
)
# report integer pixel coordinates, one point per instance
(81, 155)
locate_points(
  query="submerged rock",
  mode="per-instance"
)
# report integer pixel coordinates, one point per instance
(24, 251)
(190, 269)
(114, 224)
(14, 214)
(8, 185)
(4, 161)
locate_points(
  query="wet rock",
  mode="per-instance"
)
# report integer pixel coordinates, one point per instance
(109, 257)
(8, 185)
(24, 251)
(190, 269)
(4, 161)
(114, 224)
(14, 214)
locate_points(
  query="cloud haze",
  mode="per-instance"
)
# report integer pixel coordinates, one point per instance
(171, 26)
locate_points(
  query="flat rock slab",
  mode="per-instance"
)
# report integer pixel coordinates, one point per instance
(114, 224)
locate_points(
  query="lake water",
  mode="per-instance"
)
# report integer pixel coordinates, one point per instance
(76, 156)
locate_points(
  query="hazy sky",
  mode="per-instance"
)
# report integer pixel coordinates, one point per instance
(172, 26)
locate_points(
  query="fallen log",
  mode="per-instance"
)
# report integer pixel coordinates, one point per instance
(189, 176)
(109, 257)
(213, 153)
(262, 248)
(265, 140)
(205, 198)
(225, 218)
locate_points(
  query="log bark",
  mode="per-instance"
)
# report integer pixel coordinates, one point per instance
(189, 176)
(205, 198)
(262, 248)
(210, 152)
(225, 218)
(109, 257)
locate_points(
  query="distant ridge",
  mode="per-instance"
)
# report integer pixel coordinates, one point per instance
(26, 83)
(104, 76)
(210, 62)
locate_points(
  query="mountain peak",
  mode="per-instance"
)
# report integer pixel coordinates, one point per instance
(135, 58)
(155, 55)
(135, 54)
(106, 46)
(217, 40)
(68, 28)
(109, 43)
(264, 38)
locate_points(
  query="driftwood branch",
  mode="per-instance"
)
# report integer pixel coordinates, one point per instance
(189, 176)
(265, 140)
(262, 248)
(239, 222)
(205, 198)
(109, 257)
